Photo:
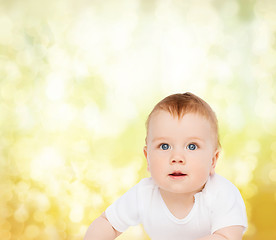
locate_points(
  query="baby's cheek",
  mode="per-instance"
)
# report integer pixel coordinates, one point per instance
(201, 169)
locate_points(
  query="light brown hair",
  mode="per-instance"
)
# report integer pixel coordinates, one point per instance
(180, 104)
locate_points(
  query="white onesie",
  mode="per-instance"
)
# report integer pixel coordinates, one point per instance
(218, 205)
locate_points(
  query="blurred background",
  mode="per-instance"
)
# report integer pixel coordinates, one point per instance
(78, 79)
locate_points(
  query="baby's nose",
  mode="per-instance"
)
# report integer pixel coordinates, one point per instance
(177, 160)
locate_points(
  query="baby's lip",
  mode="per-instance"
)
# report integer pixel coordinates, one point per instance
(177, 174)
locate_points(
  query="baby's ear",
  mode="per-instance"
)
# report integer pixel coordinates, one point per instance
(214, 161)
(146, 155)
(145, 151)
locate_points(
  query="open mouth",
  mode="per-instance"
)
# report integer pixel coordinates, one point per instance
(177, 174)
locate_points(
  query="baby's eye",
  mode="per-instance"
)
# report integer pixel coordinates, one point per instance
(192, 146)
(165, 146)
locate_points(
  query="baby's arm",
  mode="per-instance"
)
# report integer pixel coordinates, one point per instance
(101, 229)
(227, 233)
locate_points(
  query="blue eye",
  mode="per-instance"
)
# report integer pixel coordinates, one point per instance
(164, 146)
(192, 146)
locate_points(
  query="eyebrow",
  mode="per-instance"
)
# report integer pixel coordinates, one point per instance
(167, 138)
(160, 139)
(196, 138)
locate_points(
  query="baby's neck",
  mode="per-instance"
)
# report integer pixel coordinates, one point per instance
(179, 204)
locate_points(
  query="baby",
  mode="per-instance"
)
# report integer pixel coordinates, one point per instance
(184, 199)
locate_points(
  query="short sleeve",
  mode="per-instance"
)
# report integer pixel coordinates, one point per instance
(228, 208)
(124, 212)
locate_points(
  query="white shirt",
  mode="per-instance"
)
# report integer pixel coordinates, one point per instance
(218, 205)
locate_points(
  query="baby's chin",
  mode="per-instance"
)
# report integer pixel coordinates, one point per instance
(178, 191)
(182, 188)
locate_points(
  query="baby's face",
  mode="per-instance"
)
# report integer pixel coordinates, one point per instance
(181, 153)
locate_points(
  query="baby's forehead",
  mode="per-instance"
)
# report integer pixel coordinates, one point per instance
(161, 114)
(161, 120)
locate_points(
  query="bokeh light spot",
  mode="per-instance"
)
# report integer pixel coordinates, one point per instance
(56, 86)
(51, 232)
(76, 213)
(39, 216)
(21, 214)
(48, 160)
(272, 175)
(251, 191)
(32, 232)
(252, 146)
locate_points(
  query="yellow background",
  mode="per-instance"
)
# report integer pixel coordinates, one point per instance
(78, 78)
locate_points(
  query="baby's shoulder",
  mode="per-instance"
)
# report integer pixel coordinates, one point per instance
(219, 187)
(146, 184)
(147, 192)
(218, 181)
